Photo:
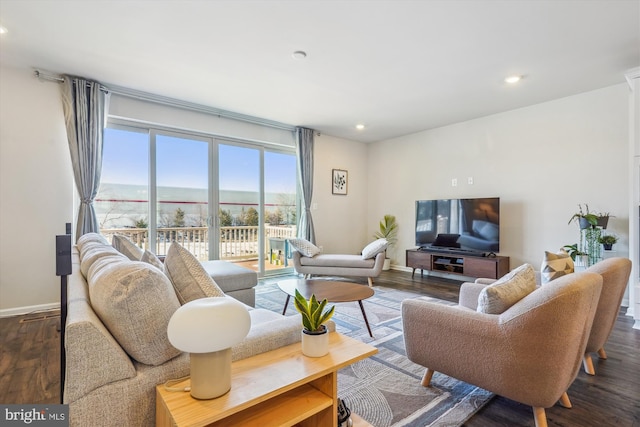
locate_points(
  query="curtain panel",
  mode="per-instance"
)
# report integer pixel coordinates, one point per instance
(304, 152)
(85, 104)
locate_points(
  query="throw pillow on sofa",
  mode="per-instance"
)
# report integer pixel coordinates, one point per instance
(135, 302)
(374, 248)
(305, 247)
(555, 265)
(151, 258)
(189, 278)
(508, 290)
(127, 247)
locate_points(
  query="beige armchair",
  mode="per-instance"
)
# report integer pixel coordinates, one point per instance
(530, 353)
(615, 276)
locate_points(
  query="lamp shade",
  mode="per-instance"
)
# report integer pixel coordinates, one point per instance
(209, 324)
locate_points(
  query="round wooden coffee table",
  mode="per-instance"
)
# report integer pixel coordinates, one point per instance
(331, 290)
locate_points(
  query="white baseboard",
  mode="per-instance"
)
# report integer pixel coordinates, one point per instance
(18, 311)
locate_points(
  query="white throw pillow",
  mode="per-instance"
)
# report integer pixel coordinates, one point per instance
(305, 247)
(189, 278)
(374, 248)
(508, 290)
(555, 265)
(126, 247)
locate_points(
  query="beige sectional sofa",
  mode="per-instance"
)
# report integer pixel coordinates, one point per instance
(116, 344)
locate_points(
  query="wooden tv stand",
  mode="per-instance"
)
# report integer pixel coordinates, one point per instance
(464, 265)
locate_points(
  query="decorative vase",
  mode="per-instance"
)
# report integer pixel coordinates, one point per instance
(387, 264)
(607, 246)
(316, 343)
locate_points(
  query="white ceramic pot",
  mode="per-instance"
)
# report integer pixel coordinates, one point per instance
(315, 344)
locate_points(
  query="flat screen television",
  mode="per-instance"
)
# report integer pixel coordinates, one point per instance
(459, 224)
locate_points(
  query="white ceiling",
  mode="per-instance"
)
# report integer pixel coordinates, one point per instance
(398, 66)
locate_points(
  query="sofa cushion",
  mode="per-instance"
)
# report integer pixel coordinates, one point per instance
(230, 277)
(92, 252)
(374, 248)
(506, 291)
(305, 247)
(151, 258)
(135, 302)
(555, 265)
(127, 247)
(189, 278)
(90, 237)
(338, 260)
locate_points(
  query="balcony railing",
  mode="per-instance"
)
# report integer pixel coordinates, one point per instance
(236, 243)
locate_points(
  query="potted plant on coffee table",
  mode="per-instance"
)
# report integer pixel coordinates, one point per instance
(388, 230)
(315, 336)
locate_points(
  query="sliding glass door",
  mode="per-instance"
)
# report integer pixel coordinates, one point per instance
(239, 215)
(219, 199)
(182, 193)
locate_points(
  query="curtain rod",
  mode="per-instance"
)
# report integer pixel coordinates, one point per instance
(172, 102)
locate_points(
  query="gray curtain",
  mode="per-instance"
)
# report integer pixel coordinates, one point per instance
(85, 105)
(304, 151)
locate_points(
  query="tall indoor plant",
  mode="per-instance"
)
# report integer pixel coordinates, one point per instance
(388, 230)
(315, 336)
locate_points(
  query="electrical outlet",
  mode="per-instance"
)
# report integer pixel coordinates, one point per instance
(454, 182)
(470, 180)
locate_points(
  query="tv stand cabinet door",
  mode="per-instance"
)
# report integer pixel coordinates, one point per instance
(490, 268)
(418, 259)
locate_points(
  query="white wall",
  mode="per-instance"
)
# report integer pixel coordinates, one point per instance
(339, 220)
(542, 161)
(36, 190)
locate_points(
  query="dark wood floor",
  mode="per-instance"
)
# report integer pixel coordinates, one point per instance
(29, 368)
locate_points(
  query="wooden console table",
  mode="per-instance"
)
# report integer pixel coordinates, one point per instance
(465, 265)
(277, 388)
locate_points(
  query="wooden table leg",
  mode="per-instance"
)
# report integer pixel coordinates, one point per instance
(365, 318)
(286, 303)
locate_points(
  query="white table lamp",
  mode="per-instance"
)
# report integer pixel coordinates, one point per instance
(207, 328)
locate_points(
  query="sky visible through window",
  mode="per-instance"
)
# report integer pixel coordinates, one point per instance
(183, 163)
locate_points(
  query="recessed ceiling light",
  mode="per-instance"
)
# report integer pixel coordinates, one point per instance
(3, 30)
(299, 54)
(513, 79)
(359, 126)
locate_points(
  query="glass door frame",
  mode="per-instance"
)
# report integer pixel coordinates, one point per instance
(213, 219)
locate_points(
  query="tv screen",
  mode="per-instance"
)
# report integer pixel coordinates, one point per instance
(467, 224)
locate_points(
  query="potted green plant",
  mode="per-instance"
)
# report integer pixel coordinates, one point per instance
(578, 257)
(584, 218)
(607, 241)
(388, 230)
(315, 337)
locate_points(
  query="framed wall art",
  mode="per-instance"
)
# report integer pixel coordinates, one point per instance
(339, 184)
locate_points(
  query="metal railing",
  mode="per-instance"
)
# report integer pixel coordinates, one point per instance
(236, 243)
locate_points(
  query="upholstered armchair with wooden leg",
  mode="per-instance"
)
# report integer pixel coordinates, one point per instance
(531, 352)
(615, 276)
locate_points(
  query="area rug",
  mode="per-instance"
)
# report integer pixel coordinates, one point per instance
(385, 388)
